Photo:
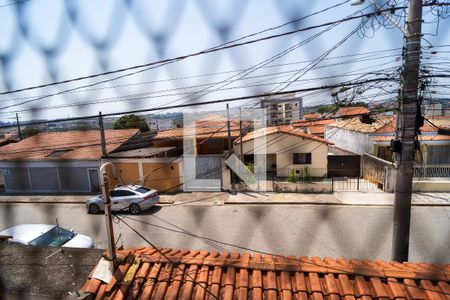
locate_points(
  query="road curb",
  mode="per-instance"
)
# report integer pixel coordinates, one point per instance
(43, 202)
(240, 203)
(330, 203)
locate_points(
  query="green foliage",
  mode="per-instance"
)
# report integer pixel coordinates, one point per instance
(327, 109)
(29, 131)
(331, 108)
(292, 178)
(131, 121)
(306, 175)
(379, 108)
(354, 103)
(251, 167)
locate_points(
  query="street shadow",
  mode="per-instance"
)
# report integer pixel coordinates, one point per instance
(152, 210)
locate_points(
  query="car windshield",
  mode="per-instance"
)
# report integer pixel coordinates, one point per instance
(57, 236)
(142, 190)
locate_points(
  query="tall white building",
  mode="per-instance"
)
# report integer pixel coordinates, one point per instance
(283, 109)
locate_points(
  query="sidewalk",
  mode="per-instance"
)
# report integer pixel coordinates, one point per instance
(223, 198)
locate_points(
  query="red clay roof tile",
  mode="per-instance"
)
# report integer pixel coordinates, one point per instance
(352, 111)
(151, 274)
(286, 129)
(214, 127)
(75, 145)
(437, 137)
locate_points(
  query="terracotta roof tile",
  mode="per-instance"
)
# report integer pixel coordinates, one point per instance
(352, 111)
(83, 145)
(436, 137)
(287, 129)
(208, 127)
(355, 124)
(314, 127)
(311, 116)
(183, 274)
(382, 124)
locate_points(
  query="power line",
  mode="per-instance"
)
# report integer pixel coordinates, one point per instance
(182, 57)
(250, 70)
(14, 3)
(160, 93)
(203, 103)
(344, 271)
(367, 55)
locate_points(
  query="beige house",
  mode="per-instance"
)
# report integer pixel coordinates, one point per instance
(147, 166)
(286, 148)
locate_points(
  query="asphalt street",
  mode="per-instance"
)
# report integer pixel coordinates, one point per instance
(310, 230)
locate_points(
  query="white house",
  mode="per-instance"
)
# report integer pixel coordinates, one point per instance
(286, 148)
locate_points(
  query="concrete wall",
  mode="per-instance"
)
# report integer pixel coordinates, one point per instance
(378, 171)
(313, 187)
(128, 172)
(431, 186)
(353, 141)
(162, 174)
(284, 146)
(43, 271)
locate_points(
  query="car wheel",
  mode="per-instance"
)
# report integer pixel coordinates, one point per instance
(135, 208)
(94, 209)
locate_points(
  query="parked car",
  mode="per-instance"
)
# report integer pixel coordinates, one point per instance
(133, 198)
(46, 235)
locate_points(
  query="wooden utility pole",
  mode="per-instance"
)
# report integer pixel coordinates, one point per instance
(407, 123)
(229, 130)
(108, 217)
(18, 126)
(241, 152)
(102, 134)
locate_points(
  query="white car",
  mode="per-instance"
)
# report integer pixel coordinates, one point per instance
(133, 198)
(46, 235)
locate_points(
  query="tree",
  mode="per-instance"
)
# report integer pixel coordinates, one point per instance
(327, 109)
(131, 121)
(29, 131)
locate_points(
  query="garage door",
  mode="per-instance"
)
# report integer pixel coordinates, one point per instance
(44, 179)
(16, 179)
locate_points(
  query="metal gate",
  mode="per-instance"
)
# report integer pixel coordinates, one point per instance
(353, 184)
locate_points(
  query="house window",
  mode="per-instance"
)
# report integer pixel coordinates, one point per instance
(301, 158)
(438, 155)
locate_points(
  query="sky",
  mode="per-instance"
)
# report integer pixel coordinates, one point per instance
(43, 41)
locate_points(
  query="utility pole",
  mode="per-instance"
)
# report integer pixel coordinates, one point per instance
(18, 126)
(228, 130)
(230, 149)
(102, 133)
(241, 151)
(407, 123)
(108, 217)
